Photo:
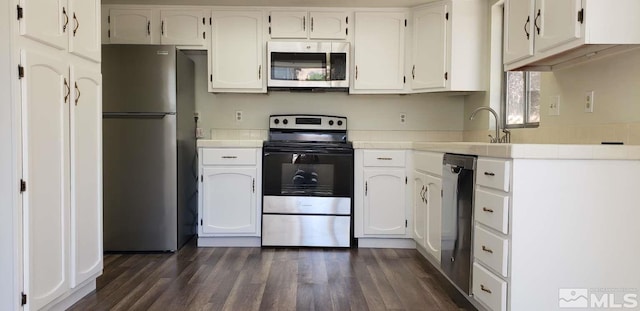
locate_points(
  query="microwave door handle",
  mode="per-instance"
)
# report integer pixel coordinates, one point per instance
(328, 78)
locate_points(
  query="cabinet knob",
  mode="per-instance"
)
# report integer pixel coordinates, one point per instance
(488, 250)
(229, 157)
(488, 210)
(489, 174)
(385, 159)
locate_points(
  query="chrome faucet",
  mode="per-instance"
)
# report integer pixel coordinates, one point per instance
(497, 139)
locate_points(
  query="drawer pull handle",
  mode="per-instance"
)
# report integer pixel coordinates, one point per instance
(489, 174)
(385, 159)
(484, 289)
(488, 210)
(229, 157)
(488, 250)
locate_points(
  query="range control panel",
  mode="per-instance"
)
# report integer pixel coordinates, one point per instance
(308, 122)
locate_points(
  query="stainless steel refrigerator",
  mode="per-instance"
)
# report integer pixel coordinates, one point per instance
(149, 157)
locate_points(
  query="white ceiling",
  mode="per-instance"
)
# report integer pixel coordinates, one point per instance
(290, 3)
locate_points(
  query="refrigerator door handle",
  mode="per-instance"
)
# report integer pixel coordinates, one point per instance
(136, 115)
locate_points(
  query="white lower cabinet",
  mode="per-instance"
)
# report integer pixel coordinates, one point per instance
(229, 204)
(380, 204)
(427, 201)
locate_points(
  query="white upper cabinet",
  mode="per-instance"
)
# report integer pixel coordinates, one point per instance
(518, 30)
(237, 52)
(308, 25)
(379, 52)
(184, 27)
(46, 21)
(288, 24)
(543, 34)
(84, 38)
(72, 25)
(86, 177)
(328, 25)
(448, 37)
(131, 26)
(429, 48)
(559, 24)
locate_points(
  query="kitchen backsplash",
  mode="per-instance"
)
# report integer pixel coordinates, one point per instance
(354, 135)
(627, 133)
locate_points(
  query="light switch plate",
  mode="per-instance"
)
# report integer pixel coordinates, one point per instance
(589, 101)
(554, 105)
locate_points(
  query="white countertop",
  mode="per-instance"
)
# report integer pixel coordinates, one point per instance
(516, 151)
(509, 151)
(231, 143)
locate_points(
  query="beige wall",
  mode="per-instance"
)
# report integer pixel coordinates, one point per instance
(616, 117)
(429, 116)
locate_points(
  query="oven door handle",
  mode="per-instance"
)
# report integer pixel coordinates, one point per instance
(330, 150)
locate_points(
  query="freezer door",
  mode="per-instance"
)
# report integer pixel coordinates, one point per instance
(140, 182)
(138, 78)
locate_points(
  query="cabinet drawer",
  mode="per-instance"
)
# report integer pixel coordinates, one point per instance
(492, 210)
(489, 289)
(227, 156)
(491, 250)
(430, 162)
(494, 173)
(387, 158)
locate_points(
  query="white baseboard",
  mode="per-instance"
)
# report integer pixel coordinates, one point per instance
(386, 243)
(229, 242)
(73, 296)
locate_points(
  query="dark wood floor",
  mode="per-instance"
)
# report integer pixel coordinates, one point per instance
(271, 279)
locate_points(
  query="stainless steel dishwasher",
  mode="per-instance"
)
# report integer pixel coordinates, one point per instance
(458, 180)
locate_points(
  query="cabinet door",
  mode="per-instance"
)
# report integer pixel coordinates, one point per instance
(85, 28)
(130, 26)
(45, 112)
(379, 51)
(186, 27)
(229, 200)
(419, 209)
(433, 200)
(289, 24)
(46, 21)
(558, 22)
(237, 51)
(328, 25)
(518, 30)
(384, 203)
(86, 174)
(429, 48)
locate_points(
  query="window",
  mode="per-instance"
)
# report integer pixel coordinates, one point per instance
(522, 99)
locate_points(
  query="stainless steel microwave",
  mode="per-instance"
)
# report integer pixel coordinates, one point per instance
(311, 64)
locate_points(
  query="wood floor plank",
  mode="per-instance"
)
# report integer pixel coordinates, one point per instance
(254, 279)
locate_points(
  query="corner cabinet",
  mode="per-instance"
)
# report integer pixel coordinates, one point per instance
(447, 38)
(236, 58)
(381, 192)
(230, 194)
(427, 202)
(379, 53)
(542, 34)
(185, 26)
(59, 100)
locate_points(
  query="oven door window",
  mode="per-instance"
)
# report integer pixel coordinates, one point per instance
(307, 174)
(299, 66)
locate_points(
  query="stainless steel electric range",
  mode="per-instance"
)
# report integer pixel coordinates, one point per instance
(307, 182)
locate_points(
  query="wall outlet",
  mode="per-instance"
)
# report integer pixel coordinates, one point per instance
(238, 115)
(403, 118)
(554, 106)
(589, 101)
